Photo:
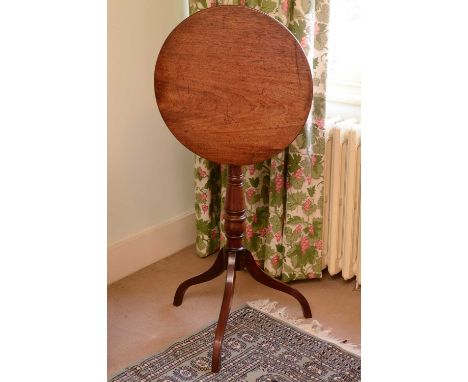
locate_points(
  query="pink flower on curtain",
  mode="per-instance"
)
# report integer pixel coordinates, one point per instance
(316, 29)
(285, 6)
(299, 173)
(275, 261)
(201, 172)
(278, 183)
(250, 193)
(278, 237)
(254, 218)
(311, 275)
(242, 2)
(273, 164)
(213, 3)
(298, 228)
(263, 232)
(309, 180)
(320, 123)
(305, 244)
(204, 197)
(304, 42)
(249, 231)
(318, 244)
(251, 169)
(313, 159)
(204, 208)
(311, 230)
(214, 233)
(307, 204)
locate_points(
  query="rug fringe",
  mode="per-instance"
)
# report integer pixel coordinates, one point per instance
(309, 326)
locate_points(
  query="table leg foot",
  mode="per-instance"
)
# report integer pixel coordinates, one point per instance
(264, 279)
(224, 313)
(216, 269)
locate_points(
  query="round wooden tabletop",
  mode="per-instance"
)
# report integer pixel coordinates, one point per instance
(233, 85)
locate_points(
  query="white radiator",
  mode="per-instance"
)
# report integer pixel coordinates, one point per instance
(342, 200)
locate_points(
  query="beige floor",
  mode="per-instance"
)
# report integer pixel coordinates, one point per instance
(142, 319)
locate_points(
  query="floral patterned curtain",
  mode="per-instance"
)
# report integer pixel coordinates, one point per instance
(284, 195)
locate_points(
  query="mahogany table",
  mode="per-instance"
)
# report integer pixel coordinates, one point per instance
(234, 86)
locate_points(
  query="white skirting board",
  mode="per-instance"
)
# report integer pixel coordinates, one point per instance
(149, 246)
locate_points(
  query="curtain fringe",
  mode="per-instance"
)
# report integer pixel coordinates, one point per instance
(309, 326)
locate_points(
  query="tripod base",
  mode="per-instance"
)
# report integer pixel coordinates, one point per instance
(233, 260)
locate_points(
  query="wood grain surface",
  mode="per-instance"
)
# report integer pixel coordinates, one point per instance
(233, 85)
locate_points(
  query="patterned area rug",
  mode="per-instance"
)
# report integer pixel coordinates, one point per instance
(257, 347)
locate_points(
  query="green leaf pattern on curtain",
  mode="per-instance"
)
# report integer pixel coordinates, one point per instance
(283, 195)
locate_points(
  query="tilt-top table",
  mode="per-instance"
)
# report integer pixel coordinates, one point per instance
(234, 86)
